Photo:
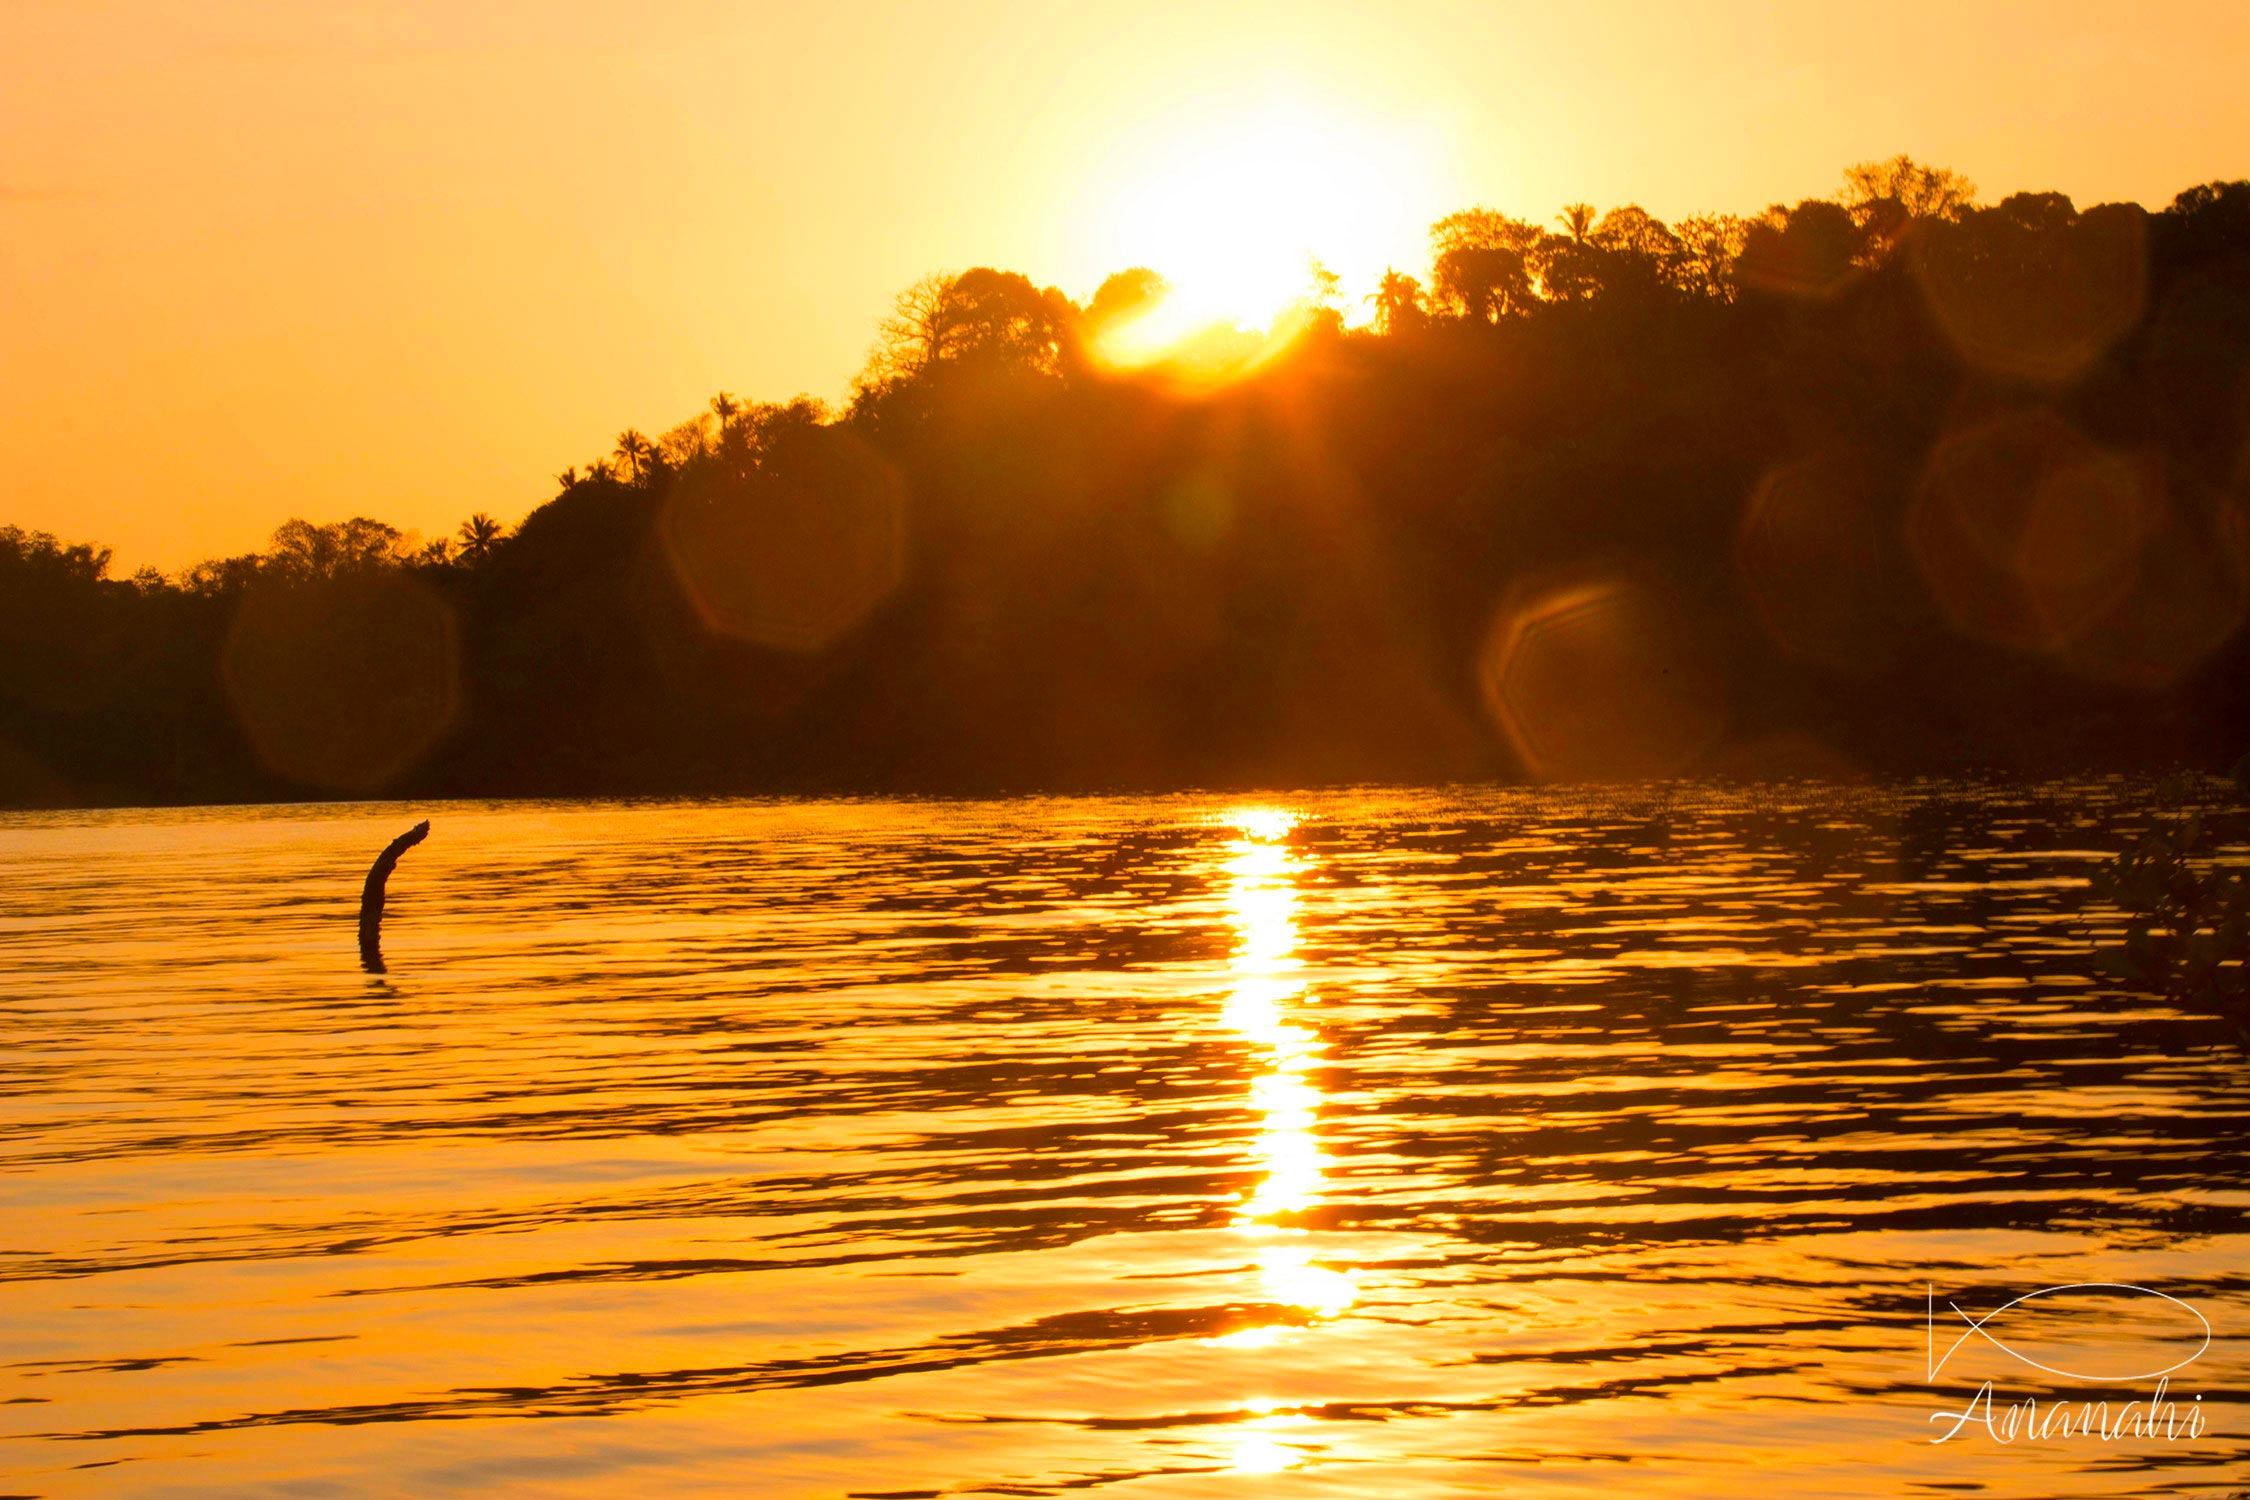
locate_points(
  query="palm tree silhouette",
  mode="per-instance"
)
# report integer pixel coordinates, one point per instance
(478, 534)
(1578, 218)
(1397, 299)
(634, 450)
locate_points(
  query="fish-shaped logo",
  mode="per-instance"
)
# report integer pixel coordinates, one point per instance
(2162, 1316)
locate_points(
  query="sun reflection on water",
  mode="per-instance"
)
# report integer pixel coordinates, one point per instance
(1258, 1448)
(1268, 993)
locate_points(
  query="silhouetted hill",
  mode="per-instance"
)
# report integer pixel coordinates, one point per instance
(1895, 483)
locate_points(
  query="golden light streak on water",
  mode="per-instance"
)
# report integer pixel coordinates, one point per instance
(1261, 899)
(1265, 1008)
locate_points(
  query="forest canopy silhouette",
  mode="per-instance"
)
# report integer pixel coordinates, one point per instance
(1887, 483)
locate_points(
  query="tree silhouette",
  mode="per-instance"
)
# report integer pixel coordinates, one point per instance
(920, 333)
(303, 550)
(1710, 245)
(1806, 251)
(682, 445)
(1397, 300)
(480, 533)
(634, 452)
(1124, 295)
(1917, 191)
(1569, 268)
(1480, 266)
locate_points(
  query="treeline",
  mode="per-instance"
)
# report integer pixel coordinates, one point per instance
(1890, 482)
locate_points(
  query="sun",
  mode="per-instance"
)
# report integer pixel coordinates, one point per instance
(1232, 198)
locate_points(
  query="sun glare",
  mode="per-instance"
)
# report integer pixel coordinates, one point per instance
(1232, 200)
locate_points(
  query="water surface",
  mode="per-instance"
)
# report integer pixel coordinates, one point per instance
(1388, 1144)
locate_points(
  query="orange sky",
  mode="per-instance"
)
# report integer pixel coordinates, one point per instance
(260, 258)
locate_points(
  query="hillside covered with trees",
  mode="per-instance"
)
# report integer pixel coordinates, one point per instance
(1894, 482)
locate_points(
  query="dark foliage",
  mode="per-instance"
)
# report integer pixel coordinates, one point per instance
(1881, 484)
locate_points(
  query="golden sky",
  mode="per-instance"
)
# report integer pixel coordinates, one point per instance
(261, 258)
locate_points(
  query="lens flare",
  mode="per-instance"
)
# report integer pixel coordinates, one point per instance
(2033, 290)
(793, 558)
(1601, 679)
(2027, 533)
(344, 683)
(1815, 564)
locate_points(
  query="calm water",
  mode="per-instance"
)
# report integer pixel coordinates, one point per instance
(1385, 1145)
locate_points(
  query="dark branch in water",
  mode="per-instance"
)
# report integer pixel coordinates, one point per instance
(371, 896)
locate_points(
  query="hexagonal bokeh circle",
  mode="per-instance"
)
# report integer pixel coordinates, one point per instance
(345, 684)
(1601, 679)
(791, 559)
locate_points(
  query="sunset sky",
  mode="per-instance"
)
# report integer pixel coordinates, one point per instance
(262, 259)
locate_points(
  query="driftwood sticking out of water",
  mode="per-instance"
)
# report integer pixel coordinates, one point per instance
(371, 896)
